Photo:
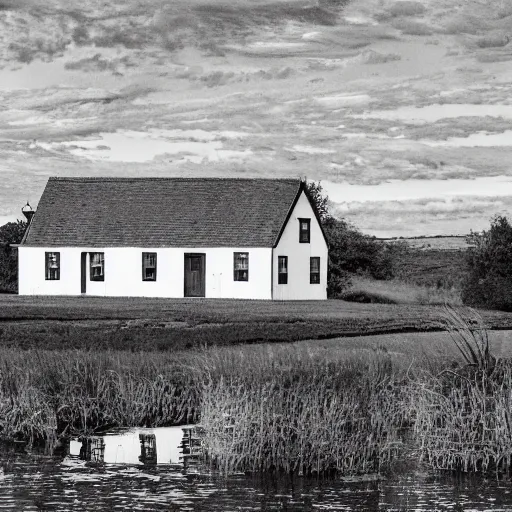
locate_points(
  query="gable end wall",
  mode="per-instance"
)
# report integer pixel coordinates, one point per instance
(298, 287)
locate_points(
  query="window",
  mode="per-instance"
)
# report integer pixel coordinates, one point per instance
(304, 231)
(314, 270)
(241, 266)
(282, 269)
(52, 266)
(97, 266)
(195, 264)
(149, 266)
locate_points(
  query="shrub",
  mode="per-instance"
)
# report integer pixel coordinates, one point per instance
(10, 233)
(489, 281)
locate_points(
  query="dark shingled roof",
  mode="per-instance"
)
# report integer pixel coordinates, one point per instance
(162, 212)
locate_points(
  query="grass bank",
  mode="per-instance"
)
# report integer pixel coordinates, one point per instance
(366, 290)
(344, 406)
(58, 323)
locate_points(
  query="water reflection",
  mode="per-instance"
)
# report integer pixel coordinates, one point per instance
(136, 470)
(165, 445)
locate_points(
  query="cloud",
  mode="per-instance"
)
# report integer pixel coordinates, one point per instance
(96, 63)
(432, 216)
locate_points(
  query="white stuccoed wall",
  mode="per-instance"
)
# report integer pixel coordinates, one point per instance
(123, 272)
(298, 287)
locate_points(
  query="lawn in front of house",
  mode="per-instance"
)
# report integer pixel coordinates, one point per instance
(174, 324)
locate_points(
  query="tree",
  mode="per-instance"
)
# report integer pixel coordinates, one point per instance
(489, 258)
(350, 251)
(10, 233)
(320, 200)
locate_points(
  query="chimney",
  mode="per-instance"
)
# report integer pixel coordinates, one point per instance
(28, 212)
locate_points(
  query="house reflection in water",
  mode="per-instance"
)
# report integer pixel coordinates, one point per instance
(137, 446)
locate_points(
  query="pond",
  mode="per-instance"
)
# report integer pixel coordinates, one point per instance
(147, 481)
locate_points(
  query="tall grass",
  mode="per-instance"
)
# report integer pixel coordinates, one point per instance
(44, 395)
(357, 414)
(464, 420)
(463, 415)
(306, 416)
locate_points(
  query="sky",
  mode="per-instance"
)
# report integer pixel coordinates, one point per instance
(401, 109)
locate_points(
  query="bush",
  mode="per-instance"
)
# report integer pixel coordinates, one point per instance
(489, 282)
(10, 233)
(352, 252)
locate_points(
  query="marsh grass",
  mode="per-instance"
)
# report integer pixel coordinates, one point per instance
(463, 420)
(44, 395)
(363, 411)
(305, 416)
(324, 407)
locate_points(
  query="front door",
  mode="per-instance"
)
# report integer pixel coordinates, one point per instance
(194, 274)
(83, 271)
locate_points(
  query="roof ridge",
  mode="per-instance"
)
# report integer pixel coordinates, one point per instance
(163, 178)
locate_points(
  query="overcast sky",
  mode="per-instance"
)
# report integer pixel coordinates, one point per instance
(403, 110)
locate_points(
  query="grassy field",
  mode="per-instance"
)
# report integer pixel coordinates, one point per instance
(440, 268)
(173, 324)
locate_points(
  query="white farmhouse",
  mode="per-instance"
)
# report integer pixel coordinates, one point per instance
(175, 237)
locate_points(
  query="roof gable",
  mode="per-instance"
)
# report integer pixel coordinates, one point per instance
(302, 188)
(162, 212)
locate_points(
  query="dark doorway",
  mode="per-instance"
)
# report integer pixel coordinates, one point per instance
(194, 274)
(83, 271)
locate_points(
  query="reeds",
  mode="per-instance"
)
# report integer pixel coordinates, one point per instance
(44, 395)
(470, 336)
(305, 415)
(463, 418)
